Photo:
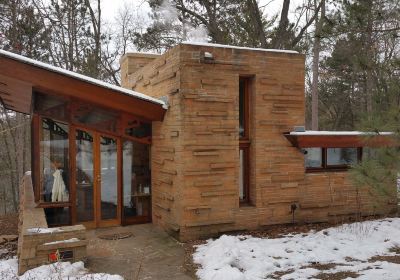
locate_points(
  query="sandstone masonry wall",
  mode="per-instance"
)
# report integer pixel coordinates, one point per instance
(195, 150)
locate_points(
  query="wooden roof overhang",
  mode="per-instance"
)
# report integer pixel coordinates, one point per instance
(20, 77)
(341, 140)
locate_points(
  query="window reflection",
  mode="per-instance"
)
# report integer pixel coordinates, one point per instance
(136, 179)
(241, 108)
(312, 157)
(84, 176)
(54, 148)
(109, 177)
(341, 156)
(98, 118)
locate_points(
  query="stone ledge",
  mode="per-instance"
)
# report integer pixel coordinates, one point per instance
(32, 248)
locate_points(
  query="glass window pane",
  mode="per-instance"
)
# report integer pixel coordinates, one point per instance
(52, 106)
(312, 157)
(241, 175)
(241, 108)
(109, 177)
(138, 129)
(369, 153)
(136, 179)
(54, 149)
(84, 176)
(59, 216)
(341, 156)
(98, 118)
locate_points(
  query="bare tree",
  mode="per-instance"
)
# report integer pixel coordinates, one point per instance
(315, 64)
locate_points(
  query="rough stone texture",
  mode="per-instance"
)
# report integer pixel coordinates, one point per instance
(195, 150)
(32, 248)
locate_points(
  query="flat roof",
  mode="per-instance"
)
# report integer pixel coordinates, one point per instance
(81, 77)
(338, 133)
(340, 139)
(237, 47)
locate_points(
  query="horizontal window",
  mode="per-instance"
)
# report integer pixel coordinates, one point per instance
(330, 158)
(313, 157)
(341, 156)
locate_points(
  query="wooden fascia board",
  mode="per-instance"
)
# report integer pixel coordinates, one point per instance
(342, 141)
(46, 80)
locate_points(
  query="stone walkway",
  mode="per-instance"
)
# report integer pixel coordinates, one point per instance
(149, 254)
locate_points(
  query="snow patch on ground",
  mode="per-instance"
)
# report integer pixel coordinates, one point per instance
(350, 246)
(61, 270)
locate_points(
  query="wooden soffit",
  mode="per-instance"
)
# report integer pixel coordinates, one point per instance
(20, 77)
(342, 141)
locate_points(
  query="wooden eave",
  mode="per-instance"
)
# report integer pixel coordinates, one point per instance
(18, 80)
(342, 141)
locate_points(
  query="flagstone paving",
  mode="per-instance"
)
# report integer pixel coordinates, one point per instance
(149, 253)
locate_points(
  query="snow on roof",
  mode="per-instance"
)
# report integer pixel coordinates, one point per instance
(237, 47)
(338, 133)
(81, 77)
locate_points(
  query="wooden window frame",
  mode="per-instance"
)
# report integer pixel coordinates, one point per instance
(37, 175)
(332, 168)
(244, 141)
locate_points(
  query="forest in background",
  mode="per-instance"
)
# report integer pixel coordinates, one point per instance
(352, 49)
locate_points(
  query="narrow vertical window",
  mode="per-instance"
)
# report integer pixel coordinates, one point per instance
(244, 140)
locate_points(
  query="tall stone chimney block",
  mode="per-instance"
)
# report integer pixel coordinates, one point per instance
(131, 62)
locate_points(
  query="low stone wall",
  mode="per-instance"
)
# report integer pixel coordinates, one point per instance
(38, 244)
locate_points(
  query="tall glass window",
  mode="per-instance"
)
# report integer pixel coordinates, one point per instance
(54, 151)
(108, 177)
(54, 175)
(136, 180)
(84, 176)
(244, 140)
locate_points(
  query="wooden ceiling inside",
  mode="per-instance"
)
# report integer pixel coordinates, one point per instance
(18, 79)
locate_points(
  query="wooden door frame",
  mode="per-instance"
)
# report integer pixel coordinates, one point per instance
(97, 222)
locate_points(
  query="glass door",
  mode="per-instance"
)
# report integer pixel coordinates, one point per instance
(84, 176)
(136, 183)
(108, 180)
(97, 179)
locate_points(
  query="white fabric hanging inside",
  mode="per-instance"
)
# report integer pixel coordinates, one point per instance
(59, 192)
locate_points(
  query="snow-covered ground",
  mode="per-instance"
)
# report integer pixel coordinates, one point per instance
(348, 248)
(59, 271)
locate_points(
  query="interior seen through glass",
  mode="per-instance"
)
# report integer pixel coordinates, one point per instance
(136, 179)
(84, 176)
(241, 173)
(313, 157)
(241, 107)
(341, 156)
(95, 180)
(109, 178)
(54, 149)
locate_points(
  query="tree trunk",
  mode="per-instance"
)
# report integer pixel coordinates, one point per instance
(315, 66)
(281, 33)
(369, 62)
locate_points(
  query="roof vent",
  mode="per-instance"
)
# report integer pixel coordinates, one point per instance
(299, 129)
